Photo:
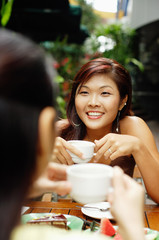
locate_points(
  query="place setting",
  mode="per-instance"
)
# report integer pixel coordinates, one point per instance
(97, 210)
(89, 209)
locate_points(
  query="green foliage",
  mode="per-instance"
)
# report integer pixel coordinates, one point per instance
(61, 106)
(67, 57)
(89, 18)
(61, 103)
(123, 38)
(6, 10)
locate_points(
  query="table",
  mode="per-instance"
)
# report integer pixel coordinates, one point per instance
(151, 212)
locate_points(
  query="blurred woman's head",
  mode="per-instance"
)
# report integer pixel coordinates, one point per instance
(100, 66)
(26, 118)
(25, 75)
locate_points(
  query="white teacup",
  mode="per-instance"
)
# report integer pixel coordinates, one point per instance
(90, 182)
(86, 147)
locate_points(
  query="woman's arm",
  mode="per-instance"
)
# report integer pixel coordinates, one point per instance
(145, 154)
(136, 139)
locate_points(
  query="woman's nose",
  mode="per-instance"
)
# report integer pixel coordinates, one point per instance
(93, 101)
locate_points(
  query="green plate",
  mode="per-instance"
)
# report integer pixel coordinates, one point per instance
(74, 223)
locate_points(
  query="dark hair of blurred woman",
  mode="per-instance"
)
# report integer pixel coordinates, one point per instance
(26, 88)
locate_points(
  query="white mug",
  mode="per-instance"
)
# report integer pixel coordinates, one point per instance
(90, 182)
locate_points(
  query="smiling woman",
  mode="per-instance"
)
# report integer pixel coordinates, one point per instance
(99, 110)
(99, 93)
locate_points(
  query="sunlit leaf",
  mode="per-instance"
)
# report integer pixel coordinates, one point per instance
(59, 79)
(6, 12)
(136, 62)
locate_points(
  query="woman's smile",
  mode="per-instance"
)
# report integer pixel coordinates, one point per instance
(94, 114)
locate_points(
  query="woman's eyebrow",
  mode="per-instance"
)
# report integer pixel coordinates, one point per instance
(84, 86)
(105, 86)
(79, 88)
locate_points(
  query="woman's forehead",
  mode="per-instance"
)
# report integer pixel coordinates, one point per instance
(98, 81)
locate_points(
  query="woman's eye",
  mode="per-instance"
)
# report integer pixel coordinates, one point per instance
(83, 92)
(105, 93)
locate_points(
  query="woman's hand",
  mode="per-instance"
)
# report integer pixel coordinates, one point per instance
(53, 179)
(60, 154)
(114, 145)
(127, 205)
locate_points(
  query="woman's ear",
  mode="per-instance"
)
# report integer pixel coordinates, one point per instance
(46, 138)
(123, 102)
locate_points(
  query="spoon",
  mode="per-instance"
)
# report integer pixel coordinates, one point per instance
(95, 208)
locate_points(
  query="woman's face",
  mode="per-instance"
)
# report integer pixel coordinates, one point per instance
(47, 134)
(97, 102)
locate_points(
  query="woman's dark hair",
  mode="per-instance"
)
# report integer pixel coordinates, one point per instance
(109, 67)
(26, 88)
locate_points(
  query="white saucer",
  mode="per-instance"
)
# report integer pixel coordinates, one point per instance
(95, 213)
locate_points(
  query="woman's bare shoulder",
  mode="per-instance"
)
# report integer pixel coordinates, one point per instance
(132, 120)
(131, 123)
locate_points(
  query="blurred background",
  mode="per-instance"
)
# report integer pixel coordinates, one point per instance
(75, 31)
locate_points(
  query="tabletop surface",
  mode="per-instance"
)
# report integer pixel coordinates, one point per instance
(64, 206)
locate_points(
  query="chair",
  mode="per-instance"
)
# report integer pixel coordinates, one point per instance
(47, 197)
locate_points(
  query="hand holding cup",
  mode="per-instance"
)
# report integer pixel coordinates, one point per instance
(85, 147)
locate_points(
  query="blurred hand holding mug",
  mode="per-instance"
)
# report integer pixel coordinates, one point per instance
(85, 147)
(91, 182)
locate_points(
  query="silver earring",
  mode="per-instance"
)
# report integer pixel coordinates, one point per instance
(76, 125)
(117, 121)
